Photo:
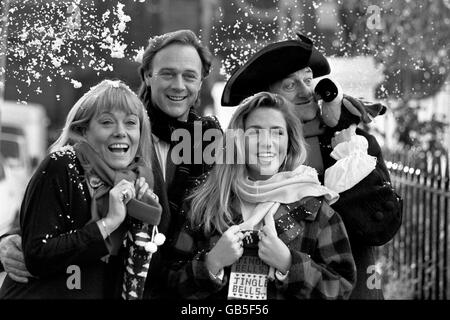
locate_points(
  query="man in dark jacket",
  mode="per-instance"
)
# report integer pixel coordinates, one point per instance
(369, 207)
(172, 70)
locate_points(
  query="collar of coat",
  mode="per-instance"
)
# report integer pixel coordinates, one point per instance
(290, 218)
(305, 209)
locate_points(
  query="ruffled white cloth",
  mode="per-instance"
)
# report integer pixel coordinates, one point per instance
(353, 164)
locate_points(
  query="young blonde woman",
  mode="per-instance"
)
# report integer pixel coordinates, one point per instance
(262, 227)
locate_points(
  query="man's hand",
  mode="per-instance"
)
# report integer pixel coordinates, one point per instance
(11, 256)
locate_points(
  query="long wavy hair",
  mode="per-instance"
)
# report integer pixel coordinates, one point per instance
(211, 202)
(107, 95)
(155, 44)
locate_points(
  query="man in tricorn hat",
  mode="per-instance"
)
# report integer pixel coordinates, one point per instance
(370, 208)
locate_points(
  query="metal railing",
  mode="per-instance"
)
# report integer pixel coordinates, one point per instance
(421, 246)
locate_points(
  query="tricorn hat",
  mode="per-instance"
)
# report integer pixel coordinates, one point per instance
(272, 63)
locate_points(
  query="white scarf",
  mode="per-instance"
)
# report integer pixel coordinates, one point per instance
(282, 187)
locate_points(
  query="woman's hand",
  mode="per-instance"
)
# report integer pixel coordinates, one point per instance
(119, 196)
(227, 250)
(142, 188)
(273, 251)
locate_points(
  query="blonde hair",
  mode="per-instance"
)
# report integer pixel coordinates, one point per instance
(106, 95)
(212, 201)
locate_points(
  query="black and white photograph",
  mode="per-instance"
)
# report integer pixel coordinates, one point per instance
(224, 154)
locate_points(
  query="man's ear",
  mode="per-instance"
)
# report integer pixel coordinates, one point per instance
(199, 91)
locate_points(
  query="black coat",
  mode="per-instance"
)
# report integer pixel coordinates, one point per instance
(371, 211)
(60, 181)
(56, 235)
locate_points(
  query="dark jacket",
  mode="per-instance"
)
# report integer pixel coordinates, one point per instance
(57, 240)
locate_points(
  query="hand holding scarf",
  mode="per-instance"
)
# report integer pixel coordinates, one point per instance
(141, 214)
(283, 187)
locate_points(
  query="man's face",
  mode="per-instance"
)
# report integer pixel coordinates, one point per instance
(175, 79)
(298, 89)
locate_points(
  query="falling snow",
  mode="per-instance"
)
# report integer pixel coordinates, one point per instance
(60, 35)
(64, 35)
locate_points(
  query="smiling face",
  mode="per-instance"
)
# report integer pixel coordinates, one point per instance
(175, 79)
(115, 136)
(266, 142)
(298, 89)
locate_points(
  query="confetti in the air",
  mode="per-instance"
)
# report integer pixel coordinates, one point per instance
(56, 37)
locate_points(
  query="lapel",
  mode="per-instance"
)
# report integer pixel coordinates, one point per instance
(161, 191)
(170, 169)
(291, 219)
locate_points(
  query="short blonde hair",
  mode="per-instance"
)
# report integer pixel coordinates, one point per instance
(106, 95)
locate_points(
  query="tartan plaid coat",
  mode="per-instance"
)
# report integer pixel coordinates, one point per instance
(322, 262)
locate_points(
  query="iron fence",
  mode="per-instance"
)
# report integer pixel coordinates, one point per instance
(419, 251)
